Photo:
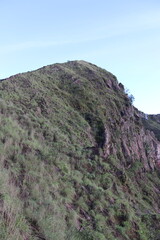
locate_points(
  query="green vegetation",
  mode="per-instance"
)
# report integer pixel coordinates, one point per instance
(153, 125)
(57, 181)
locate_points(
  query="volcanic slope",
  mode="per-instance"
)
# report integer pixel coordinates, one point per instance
(77, 160)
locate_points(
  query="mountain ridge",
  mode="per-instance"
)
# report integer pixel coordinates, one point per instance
(78, 160)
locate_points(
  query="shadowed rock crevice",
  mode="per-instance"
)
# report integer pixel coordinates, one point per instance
(97, 127)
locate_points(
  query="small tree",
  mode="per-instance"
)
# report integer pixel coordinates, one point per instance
(130, 96)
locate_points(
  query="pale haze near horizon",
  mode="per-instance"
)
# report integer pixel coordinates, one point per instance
(121, 36)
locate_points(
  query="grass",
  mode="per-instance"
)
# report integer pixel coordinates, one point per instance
(56, 182)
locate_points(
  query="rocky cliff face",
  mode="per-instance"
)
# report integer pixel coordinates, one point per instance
(77, 159)
(135, 143)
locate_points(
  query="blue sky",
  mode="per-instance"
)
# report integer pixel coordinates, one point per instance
(121, 36)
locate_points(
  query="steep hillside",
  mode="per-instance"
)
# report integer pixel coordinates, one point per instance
(77, 160)
(152, 123)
